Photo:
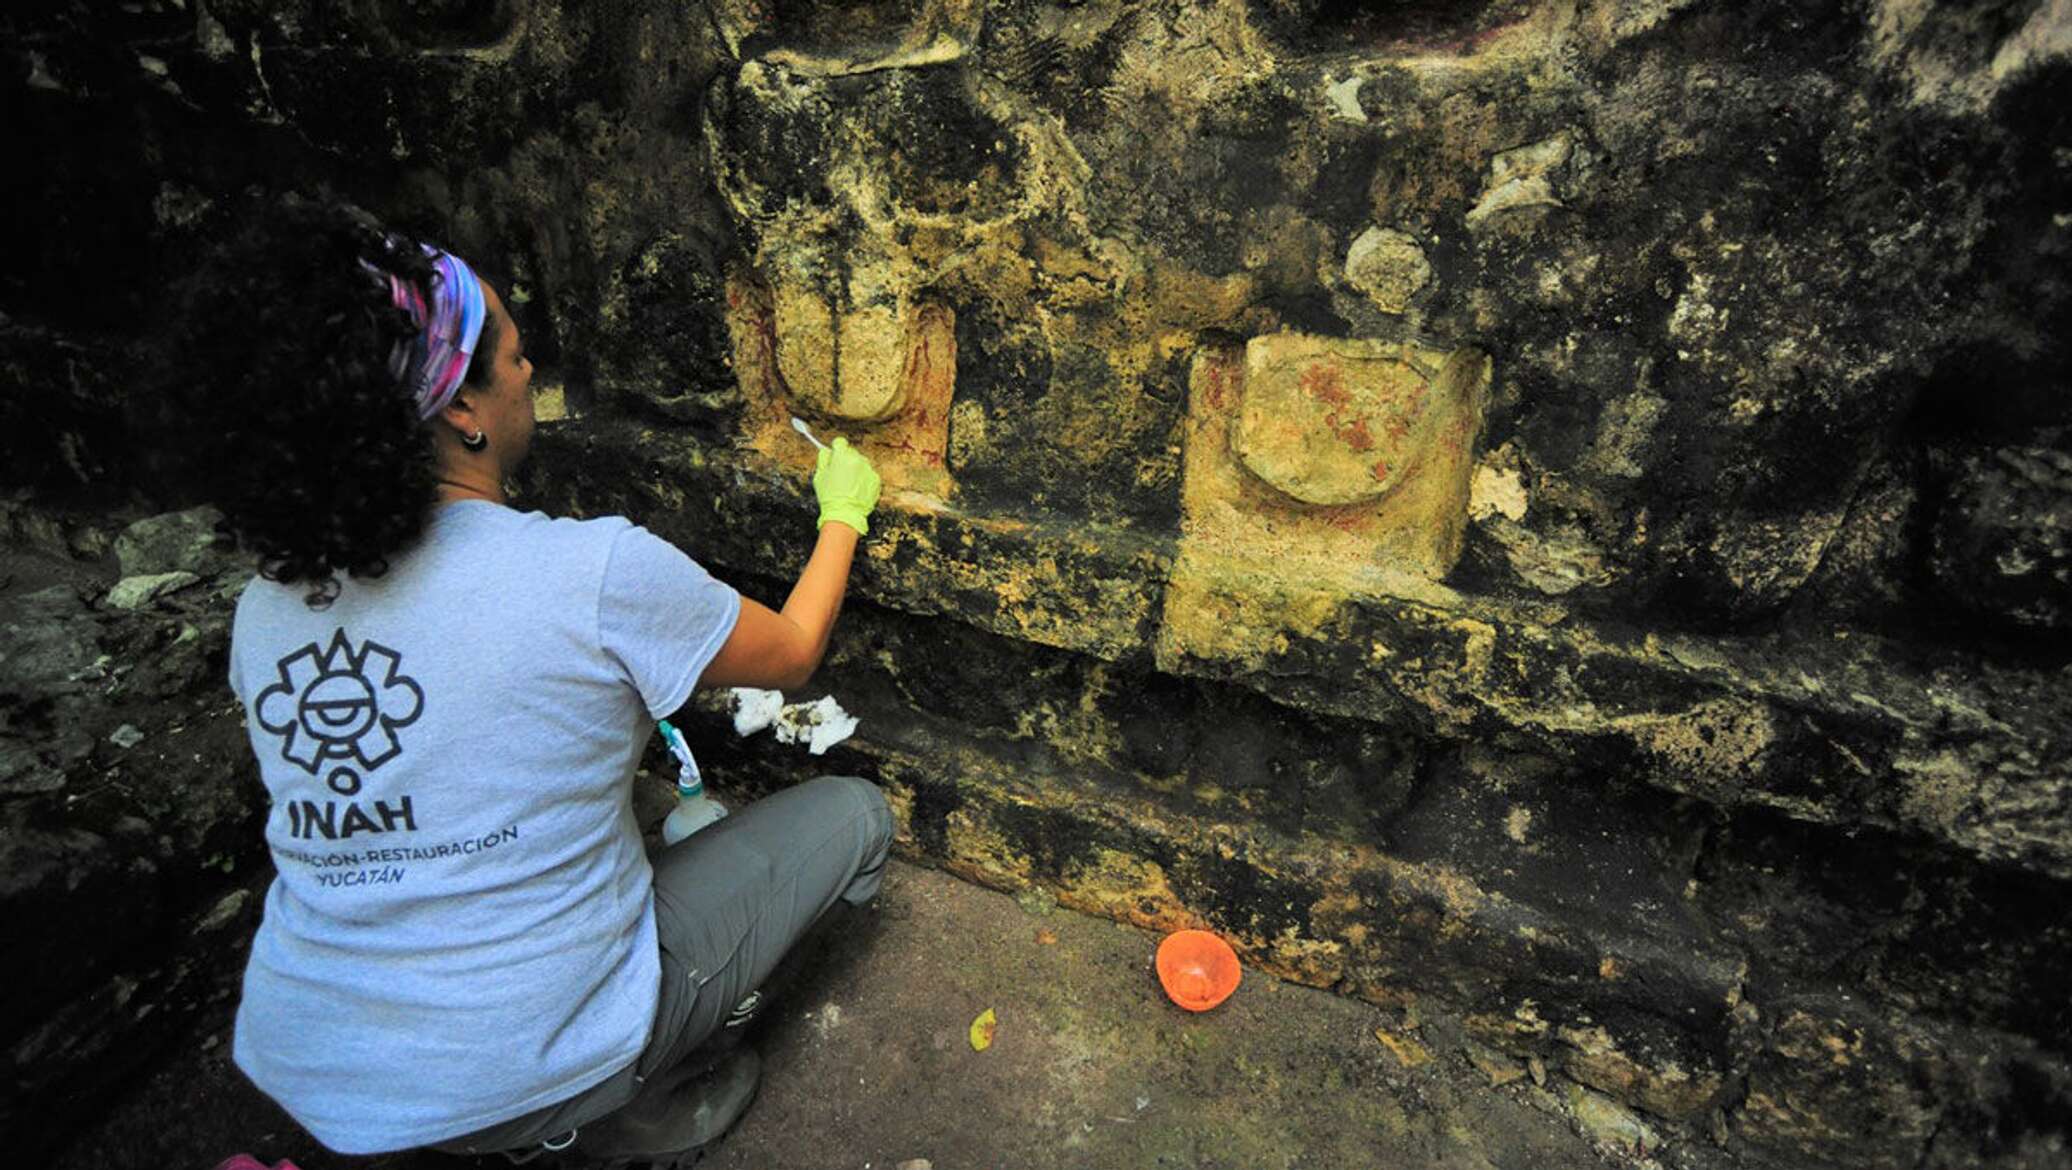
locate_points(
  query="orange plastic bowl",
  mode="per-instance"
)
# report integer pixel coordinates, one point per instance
(1197, 969)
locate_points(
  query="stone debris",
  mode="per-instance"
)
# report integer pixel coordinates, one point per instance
(1389, 266)
(75, 660)
(1610, 1124)
(1407, 1051)
(826, 1019)
(1344, 99)
(1521, 178)
(1554, 559)
(224, 912)
(1500, 1069)
(176, 542)
(137, 592)
(39, 75)
(1498, 487)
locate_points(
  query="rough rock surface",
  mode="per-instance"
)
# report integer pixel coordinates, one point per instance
(1684, 702)
(128, 822)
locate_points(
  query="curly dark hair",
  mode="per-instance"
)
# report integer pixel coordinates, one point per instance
(279, 368)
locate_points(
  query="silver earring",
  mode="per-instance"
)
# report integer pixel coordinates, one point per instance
(475, 442)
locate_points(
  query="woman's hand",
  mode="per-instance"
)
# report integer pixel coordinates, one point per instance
(782, 648)
(847, 486)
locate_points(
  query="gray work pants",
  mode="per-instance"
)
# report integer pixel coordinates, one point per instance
(730, 900)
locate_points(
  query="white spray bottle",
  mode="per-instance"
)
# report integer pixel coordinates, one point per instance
(694, 809)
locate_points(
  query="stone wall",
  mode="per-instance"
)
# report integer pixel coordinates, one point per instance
(1557, 510)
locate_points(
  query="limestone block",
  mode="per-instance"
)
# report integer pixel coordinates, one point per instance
(1610, 1124)
(1330, 421)
(175, 542)
(1388, 266)
(1344, 98)
(136, 592)
(1498, 486)
(1521, 178)
(1317, 470)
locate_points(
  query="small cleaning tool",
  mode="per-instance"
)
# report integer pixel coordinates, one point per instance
(798, 424)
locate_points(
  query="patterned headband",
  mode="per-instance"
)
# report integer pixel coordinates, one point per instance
(433, 365)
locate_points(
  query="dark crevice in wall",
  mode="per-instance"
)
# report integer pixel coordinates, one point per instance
(1866, 908)
(451, 24)
(1069, 75)
(1325, 26)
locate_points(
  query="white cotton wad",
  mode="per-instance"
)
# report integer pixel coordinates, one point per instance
(819, 726)
(755, 709)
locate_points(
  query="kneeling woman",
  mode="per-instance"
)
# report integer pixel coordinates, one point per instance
(466, 945)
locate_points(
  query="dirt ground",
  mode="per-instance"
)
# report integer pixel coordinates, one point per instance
(868, 1067)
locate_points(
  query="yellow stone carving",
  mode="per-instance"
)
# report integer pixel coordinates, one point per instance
(1285, 515)
(846, 366)
(886, 387)
(1335, 420)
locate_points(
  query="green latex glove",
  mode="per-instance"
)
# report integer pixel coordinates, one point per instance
(847, 485)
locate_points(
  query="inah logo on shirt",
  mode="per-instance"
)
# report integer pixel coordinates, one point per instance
(340, 704)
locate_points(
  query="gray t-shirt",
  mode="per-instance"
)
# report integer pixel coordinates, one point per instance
(462, 929)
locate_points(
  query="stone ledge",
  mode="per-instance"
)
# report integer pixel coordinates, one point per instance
(1647, 1010)
(1843, 730)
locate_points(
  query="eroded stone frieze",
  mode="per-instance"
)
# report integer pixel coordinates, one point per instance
(1318, 469)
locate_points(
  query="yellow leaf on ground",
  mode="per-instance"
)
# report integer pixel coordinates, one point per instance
(982, 1030)
(1046, 937)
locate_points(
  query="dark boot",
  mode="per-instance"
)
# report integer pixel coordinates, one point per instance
(676, 1116)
